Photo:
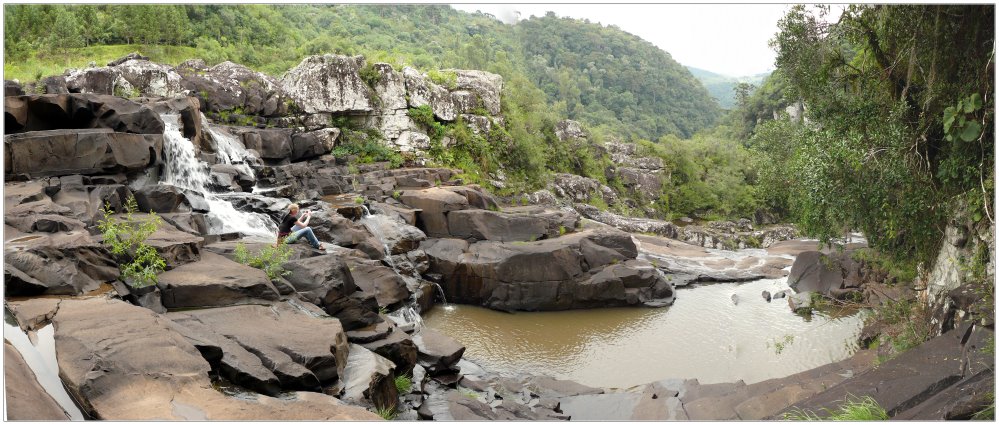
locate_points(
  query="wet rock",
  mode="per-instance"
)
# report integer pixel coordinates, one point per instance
(437, 352)
(103, 346)
(328, 83)
(767, 296)
(56, 264)
(26, 400)
(302, 350)
(214, 281)
(90, 151)
(370, 379)
(800, 302)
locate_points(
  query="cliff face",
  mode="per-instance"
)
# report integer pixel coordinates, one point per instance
(959, 285)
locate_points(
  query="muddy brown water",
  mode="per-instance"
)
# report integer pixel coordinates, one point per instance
(704, 335)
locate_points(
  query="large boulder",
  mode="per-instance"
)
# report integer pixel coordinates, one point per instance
(70, 263)
(521, 224)
(593, 268)
(214, 281)
(271, 143)
(79, 111)
(191, 123)
(828, 274)
(313, 144)
(230, 359)
(573, 188)
(396, 346)
(302, 350)
(438, 353)
(124, 362)
(328, 83)
(434, 205)
(93, 151)
(397, 236)
(327, 282)
(229, 86)
(135, 76)
(384, 283)
(629, 224)
(333, 227)
(165, 198)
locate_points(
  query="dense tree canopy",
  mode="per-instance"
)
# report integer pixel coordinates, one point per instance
(899, 99)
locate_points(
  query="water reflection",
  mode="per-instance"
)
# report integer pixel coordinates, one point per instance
(704, 335)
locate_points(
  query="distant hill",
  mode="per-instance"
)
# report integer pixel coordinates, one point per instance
(721, 86)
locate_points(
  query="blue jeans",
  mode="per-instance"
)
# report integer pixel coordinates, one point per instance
(307, 232)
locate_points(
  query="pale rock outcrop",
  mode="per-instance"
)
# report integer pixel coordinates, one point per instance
(328, 83)
(485, 87)
(423, 92)
(133, 77)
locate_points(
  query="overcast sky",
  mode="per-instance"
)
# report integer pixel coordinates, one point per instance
(729, 39)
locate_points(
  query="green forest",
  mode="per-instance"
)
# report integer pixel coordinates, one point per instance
(898, 130)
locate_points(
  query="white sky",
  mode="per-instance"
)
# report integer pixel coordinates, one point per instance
(728, 39)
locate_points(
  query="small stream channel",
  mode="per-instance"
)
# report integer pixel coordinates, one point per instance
(38, 351)
(704, 335)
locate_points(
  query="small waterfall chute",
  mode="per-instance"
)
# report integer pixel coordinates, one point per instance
(184, 169)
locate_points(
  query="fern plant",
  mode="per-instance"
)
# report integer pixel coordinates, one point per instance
(139, 263)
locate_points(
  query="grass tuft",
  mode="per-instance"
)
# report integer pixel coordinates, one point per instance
(853, 409)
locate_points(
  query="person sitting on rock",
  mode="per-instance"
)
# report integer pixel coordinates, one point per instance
(294, 227)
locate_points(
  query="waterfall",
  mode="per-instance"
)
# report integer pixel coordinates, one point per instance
(184, 169)
(228, 149)
(376, 223)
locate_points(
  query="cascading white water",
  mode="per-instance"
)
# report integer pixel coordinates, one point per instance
(183, 169)
(228, 149)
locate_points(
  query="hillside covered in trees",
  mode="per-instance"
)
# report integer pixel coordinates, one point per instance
(599, 75)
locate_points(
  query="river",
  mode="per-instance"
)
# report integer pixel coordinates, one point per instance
(705, 334)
